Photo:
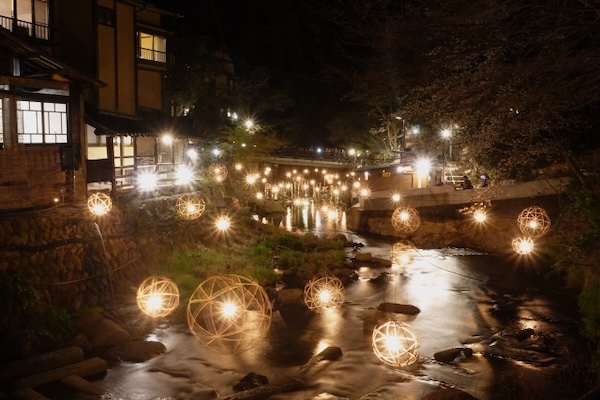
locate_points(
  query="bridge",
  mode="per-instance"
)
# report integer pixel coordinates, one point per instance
(316, 162)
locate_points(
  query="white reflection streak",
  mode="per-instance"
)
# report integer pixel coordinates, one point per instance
(305, 217)
(427, 288)
(332, 321)
(318, 222)
(288, 219)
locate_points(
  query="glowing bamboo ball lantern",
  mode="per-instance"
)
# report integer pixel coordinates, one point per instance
(480, 215)
(533, 221)
(158, 296)
(523, 245)
(406, 219)
(218, 172)
(229, 313)
(322, 293)
(402, 254)
(99, 203)
(190, 206)
(395, 344)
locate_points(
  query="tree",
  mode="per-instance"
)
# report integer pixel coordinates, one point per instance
(204, 86)
(519, 77)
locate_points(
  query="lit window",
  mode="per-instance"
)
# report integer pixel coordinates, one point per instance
(152, 47)
(41, 123)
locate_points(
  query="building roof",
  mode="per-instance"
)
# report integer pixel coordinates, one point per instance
(146, 124)
(46, 61)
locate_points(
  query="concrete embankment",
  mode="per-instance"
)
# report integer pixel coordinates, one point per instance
(446, 215)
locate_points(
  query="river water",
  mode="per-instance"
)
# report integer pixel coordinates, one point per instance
(467, 299)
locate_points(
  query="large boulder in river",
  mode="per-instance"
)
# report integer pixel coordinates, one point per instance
(101, 331)
(448, 356)
(137, 351)
(291, 307)
(398, 308)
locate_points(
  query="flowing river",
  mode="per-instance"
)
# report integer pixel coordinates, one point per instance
(467, 300)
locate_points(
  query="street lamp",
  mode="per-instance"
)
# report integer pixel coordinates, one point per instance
(447, 134)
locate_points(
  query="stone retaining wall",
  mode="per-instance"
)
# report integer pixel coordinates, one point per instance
(72, 257)
(450, 226)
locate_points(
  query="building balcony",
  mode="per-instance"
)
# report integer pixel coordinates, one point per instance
(155, 55)
(25, 28)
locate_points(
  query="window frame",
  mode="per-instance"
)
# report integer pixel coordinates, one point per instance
(42, 117)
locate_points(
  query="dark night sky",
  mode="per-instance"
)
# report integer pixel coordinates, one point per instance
(281, 35)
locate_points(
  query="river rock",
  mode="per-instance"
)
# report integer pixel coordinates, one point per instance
(382, 262)
(250, 381)
(363, 257)
(291, 306)
(448, 356)
(398, 308)
(101, 331)
(331, 353)
(137, 351)
(525, 333)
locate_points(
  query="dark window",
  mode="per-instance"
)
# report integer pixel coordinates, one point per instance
(106, 16)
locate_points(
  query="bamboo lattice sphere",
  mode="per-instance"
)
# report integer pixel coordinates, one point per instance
(406, 219)
(395, 344)
(158, 296)
(402, 254)
(533, 221)
(523, 245)
(322, 293)
(218, 172)
(229, 313)
(99, 203)
(190, 206)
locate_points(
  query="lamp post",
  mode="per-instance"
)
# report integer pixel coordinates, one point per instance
(447, 134)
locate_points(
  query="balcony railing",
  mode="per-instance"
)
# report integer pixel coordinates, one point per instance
(152, 55)
(25, 28)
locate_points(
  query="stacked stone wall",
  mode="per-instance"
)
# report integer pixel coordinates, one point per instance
(71, 257)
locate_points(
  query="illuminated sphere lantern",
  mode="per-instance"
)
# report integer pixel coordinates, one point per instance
(218, 172)
(533, 221)
(479, 215)
(99, 203)
(402, 254)
(158, 296)
(523, 245)
(395, 344)
(406, 219)
(322, 293)
(229, 313)
(190, 206)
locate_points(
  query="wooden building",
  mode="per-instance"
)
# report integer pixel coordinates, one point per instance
(90, 74)
(42, 141)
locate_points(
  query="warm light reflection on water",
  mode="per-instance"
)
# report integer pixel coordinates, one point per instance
(450, 287)
(307, 217)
